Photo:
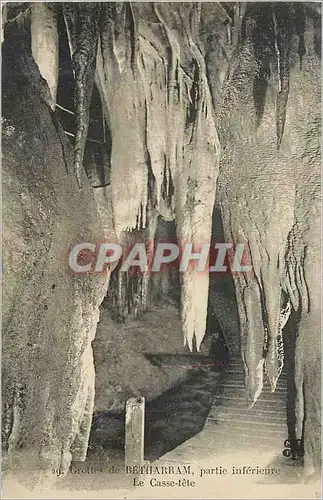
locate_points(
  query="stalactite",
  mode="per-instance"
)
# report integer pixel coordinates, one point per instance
(124, 103)
(174, 58)
(252, 339)
(250, 293)
(152, 73)
(299, 19)
(44, 44)
(82, 23)
(270, 28)
(271, 291)
(274, 355)
(3, 19)
(194, 198)
(260, 313)
(294, 282)
(166, 202)
(270, 44)
(163, 113)
(282, 34)
(147, 107)
(262, 35)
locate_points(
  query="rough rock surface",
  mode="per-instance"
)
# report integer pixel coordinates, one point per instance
(49, 316)
(278, 218)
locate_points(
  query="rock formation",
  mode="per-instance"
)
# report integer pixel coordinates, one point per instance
(201, 103)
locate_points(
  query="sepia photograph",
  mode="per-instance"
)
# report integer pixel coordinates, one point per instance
(161, 250)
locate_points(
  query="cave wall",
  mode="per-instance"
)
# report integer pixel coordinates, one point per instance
(280, 214)
(49, 316)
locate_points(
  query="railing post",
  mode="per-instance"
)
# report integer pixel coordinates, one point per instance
(135, 431)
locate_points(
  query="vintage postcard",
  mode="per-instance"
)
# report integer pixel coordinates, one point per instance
(161, 207)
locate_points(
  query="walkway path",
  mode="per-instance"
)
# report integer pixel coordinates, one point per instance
(247, 443)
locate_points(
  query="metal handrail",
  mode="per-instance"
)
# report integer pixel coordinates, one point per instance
(88, 140)
(72, 112)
